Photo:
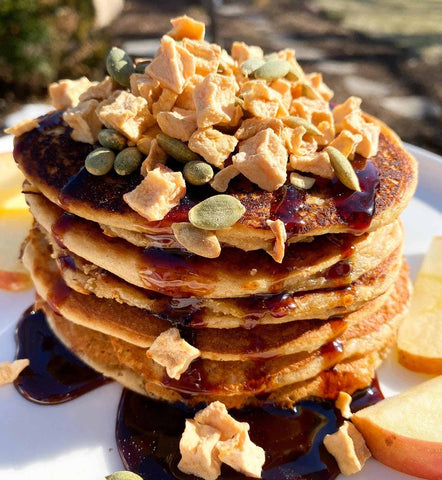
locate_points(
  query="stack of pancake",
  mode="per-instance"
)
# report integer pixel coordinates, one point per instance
(320, 322)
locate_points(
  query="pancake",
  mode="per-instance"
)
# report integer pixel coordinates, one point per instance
(53, 163)
(305, 265)
(140, 328)
(258, 376)
(84, 277)
(95, 349)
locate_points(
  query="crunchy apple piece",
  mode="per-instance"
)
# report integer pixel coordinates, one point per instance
(142, 85)
(343, 403)
(251, 126)
(314, 111)
(178, 123)
(293, 139)
(346, 142)
(185, 98)
(215, 100)
(22, 127)
(261, 100)
(316, 163)
(242, 52)
(368, 146)
(278, 229)
(217, 416)
(318, 84)
(206, 55)
(157, 156)
(199, 456)
(186, 27)
(66, 93)
(144, 142)
(157, 194)
(348, 447)
(165, 102)
(214, 146)
(99, 91)
(9, 371)
(84, 121)
(220, 181)
(126, 113)
(263, 160)
(352, 104)
(172, 66)
(242, 455)
(173, 352)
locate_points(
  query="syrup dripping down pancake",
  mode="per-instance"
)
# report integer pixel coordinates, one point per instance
(53, 163)
(234, 274)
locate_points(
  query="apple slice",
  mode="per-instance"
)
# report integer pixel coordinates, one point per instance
(15, 221)
(420, 335)
(13, 230)
(11, 178)
(405, 431)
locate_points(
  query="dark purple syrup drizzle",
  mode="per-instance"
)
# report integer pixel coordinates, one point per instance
(148, 434)
(357, 208)
(55, 375)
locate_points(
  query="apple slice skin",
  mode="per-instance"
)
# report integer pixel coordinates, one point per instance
(420, 364)
(412, 456)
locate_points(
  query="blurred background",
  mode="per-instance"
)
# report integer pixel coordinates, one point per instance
(389, 52)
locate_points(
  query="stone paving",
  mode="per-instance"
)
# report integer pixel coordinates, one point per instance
(388, 53)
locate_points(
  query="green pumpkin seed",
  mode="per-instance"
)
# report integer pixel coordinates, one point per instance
(119, 66)
(343, 169)
(202, 242)
(239, 102)
(217, 212)
(110, 138)
(272, 70)
(100, 161)
(250, 65)
(294, 122)
(197, 173)
(141, 64)
(127, 161)
(309, 92)
(300, 181)
(176, 149)
(123, 475)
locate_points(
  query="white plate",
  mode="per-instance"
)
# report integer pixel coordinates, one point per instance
(76, 440)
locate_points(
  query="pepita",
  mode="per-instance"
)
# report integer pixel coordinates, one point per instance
(123, 475)
(343, 169)
(110, 138)
(127, 161)
(119, 66)
(294, 122)
(141, 64)
(197, 173)
(217, 212)
(292, 75)
(300, 181)
(272, 70)
(100, 161)
(250, 65)
(201, 242)
(309, 92)
(176, 149)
